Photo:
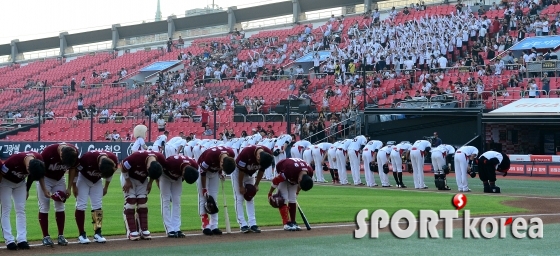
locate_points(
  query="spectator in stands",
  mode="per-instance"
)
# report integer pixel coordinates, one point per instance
(116, 136)
(80, 102)
(169, 44)
(108, 135)
(532, 87)
(161, 123)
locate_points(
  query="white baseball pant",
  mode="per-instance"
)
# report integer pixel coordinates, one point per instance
(307, 156)
(281, 156)
(170, 195)
(318, 160)
(188, 151)
(52, 186)
(382, 159)
(212, 187)
(367, 157)
(461, 164)
(437, 161)
(341, 164)
(295, 152)
(170, 151)
(88, 189)
(239, 200)
(18, 192)
(354, 158)
(417, 160)
(288, 191)
(196, 152)
(331, 156)
(268, 173)
(396, 161)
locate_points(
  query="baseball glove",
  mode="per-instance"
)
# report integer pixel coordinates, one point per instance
(325, 167)
(276, 200)
(473, 174)
(373, 167)
(385, 168)
(409, 167)
(445, 169)
(210, 206)
(276, 152)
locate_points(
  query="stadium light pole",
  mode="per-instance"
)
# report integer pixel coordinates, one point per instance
(215, 115)
(39, 131)
(363, 66)
(289, 128)
(149, 123)
(91, 123)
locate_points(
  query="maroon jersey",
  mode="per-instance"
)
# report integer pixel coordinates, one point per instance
(137, 164)
(89, 164)
(289, 169)
(247, 160)
(174, 166)
(53, 163)
(209, 160)
(14, 168)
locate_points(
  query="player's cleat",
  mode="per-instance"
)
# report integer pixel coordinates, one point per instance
(172, 234)
(403, 185)
(98, 238)
(245, 229)
(207, 232)
(216, 231)
(12, 246)
(467, 190)
(146, 235)
(23, 245)
(181, 234)
(425, 187)
(296, 227)
(255, 229)
(289, 227)
(444, 188)
(83, 239)
(47, 241)
(460, 190)
(62, 241)
(387, 186)
(134, 236)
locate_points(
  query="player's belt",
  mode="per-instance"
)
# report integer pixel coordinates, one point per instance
(413, 149)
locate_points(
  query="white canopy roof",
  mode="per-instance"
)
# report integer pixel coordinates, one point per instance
(530, 106)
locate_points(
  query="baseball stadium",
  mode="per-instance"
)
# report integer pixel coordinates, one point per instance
(275, 127)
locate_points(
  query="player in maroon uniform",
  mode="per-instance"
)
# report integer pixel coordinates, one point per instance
(136, 169)
(176, 169)
(211, 162)
(14, 171)
(293, 175)
(58, 158)
(93, 166)
(250, 160)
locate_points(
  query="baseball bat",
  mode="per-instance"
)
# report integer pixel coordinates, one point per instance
(228, 226)
(303, 217)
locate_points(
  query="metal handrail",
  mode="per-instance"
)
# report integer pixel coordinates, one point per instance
(328, 128)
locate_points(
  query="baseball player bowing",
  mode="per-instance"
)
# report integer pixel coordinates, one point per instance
(488, 163)
(136, 169)
(159, 144)
(176, 169)
(417, 154)
(354, 149)
(333, 165)
(13, 185)
(293, 175)
(440, 164)
(461, 159)
(211, 162)
(299, 147)
(280, 147)
(369, 155)
(57, 158)
(342, 159)
(250, 160)
(94, 166)
(319, 153)
(399, 152)
(383, 165)
(175, 146)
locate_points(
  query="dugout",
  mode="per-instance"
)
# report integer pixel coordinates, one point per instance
(526, 126)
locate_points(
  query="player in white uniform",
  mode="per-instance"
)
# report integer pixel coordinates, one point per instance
(383, 157)
(369, 155)
(236, 145)
(159, 144)
(441, 165)
(341, 160)
(417, 153)
(307, 156)
(333, 166)
(462, 155)
(268, 174)
(279, 150)
(397, 153)
(188, 150)
(354, 150)
(197, 149)
(319, 153)
(298, 148)
(174, 146)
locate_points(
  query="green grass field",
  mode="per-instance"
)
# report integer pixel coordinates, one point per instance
(322, 204)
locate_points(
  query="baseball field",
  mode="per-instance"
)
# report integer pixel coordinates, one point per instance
(331, 211)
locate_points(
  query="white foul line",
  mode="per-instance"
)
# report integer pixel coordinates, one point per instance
(331, 226)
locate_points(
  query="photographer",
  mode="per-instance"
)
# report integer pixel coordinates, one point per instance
(436, 141)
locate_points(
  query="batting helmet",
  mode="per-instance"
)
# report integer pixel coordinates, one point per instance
(276, 152)
(325, 167)
(505, 164)
(373, 167)
(385, 168)
(210, 206)
(59, 196)
(250, 192)
(276, 201)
